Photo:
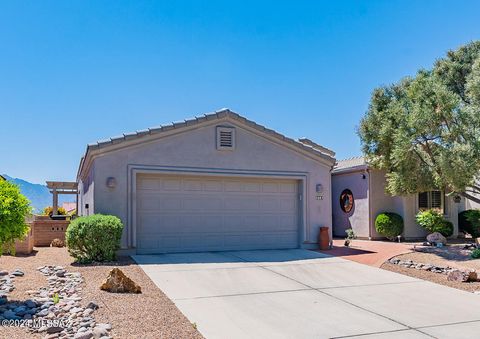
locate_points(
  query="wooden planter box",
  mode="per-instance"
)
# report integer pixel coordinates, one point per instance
(25, 246)
(46, 229)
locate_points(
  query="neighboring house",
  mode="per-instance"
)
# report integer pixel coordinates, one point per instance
(69, 207)
(358, 195)
(216, 182)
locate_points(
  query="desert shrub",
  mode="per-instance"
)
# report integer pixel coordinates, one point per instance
(49, 211)
(475, 253)
(390, 225)
(433, 221)
(94, 238)
(57, 243)
(469, 222)
(14, 207)
(350, 234)
(445, 228)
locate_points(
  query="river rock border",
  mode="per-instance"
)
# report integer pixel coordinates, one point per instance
(453, 274)
(54, 310)
(421, 266)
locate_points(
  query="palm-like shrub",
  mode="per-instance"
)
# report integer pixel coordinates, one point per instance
(389, 225)
(94, 238)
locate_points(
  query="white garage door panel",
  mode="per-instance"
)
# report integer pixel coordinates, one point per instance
(187, 213)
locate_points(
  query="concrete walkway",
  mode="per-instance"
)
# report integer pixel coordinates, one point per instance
(373, 253)
(305, 294)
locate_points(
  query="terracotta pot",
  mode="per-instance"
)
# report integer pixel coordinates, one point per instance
(324, 238)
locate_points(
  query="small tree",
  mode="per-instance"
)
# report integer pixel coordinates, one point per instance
(14, 207)
(424, 131)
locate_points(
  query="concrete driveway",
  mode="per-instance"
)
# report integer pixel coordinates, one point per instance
(304, 294)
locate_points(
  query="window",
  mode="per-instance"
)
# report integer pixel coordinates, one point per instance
(431, 200)
(225, 138)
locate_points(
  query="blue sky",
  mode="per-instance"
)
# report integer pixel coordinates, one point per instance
(73, 72)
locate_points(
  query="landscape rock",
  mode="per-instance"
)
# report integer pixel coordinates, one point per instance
(462, 276)
(57, 243)
(84, 335)
(108, 327)
(54, 329)
(99, 332)
(17, 273)
(43, 303)
(10, 315)
(92, 305)
(469, 246)
(118, 282)
(436, 238)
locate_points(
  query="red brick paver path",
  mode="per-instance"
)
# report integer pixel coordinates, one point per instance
(373, 253)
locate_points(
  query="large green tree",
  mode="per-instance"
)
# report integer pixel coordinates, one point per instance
(14, 207)
(424, 131)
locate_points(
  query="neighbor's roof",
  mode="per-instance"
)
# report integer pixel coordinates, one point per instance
(351, 164)
(225, 113)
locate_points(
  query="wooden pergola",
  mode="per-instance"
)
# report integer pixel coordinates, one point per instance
(62, 187)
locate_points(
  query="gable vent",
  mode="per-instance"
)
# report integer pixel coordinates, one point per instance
(225, 138)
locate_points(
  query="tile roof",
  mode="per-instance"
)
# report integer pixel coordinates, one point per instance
(303, 143)
(350, 163)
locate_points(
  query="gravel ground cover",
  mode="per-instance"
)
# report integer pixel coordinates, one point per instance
(147, 315)
(454, 256)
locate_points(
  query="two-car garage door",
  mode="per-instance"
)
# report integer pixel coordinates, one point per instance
(199, 213)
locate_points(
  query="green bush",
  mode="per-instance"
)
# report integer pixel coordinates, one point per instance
(433, 221)
(475, 253)
(446, 228)
(14, 207)
(94, 238)
(390, 225)
(469, 222)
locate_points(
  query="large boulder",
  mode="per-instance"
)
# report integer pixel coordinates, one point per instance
(462, 276)
(118, 282)
(436, 238)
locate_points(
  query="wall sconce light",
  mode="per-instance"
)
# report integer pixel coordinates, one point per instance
(111, 182)
(319, 191)
(319, 188)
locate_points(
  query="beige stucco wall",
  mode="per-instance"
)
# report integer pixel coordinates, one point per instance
(381, 201)
(412, 230)
(372, 199)
(196, 149)
(86, 194)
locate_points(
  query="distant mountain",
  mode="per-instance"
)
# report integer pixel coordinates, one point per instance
(39, 195)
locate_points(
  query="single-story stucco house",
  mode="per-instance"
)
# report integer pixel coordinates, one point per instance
(358, 196)
(216, 182)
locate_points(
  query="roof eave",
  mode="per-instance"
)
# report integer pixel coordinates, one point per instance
(358, 168)
(327, 157)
